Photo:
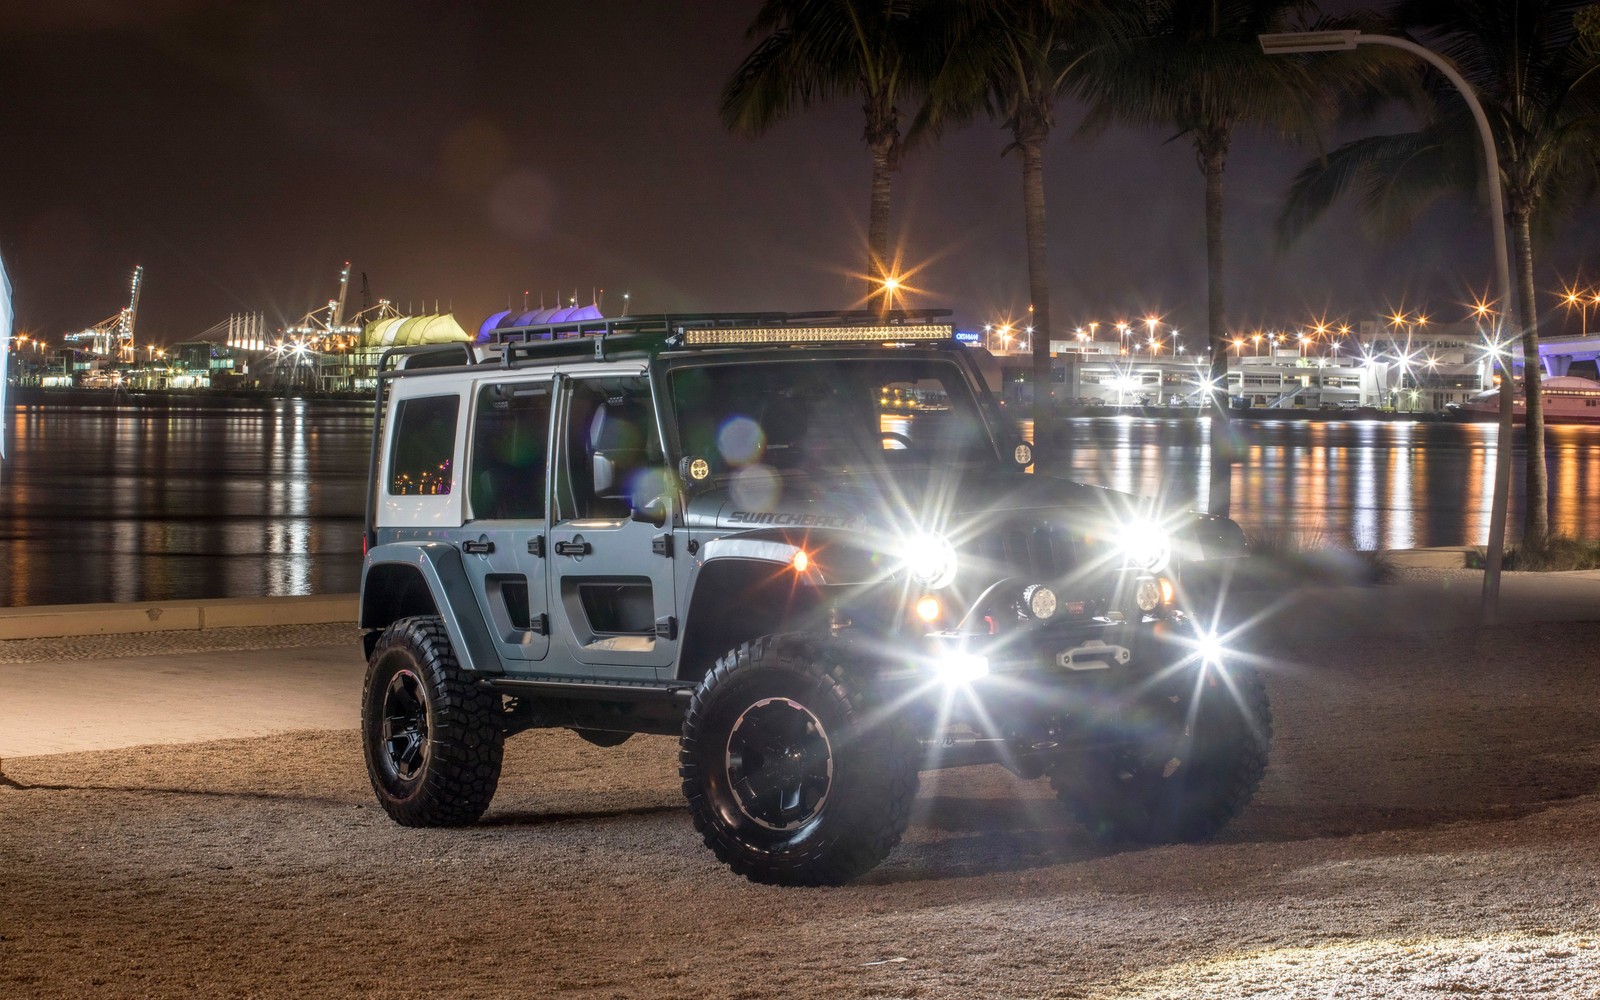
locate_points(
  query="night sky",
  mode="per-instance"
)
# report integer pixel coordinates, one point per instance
(465, 153)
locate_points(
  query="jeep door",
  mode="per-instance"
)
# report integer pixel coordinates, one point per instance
(503, 539)
(612, 598)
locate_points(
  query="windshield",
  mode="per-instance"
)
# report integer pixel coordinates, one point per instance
(829, 416)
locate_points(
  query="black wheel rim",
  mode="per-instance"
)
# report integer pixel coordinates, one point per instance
(1161, 749)
(405, 726)
(779, 763)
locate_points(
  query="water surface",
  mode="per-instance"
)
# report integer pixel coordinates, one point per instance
(103, 503)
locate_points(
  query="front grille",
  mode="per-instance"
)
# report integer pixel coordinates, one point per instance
(1035, 551)
(1041, 552)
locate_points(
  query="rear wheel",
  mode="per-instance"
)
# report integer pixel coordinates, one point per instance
(432, 737)
(786, 779)
(1179, 764)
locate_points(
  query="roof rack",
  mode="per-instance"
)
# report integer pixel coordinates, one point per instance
(610, 338)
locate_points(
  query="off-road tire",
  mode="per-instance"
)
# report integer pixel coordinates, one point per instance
(458, 768)
(1180, 783)
(871, 781)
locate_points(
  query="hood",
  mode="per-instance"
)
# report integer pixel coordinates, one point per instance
(957, 502)
(867, 500)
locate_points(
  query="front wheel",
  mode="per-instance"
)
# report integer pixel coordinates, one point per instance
(432, 737)
(787, 780)
(1177, 765)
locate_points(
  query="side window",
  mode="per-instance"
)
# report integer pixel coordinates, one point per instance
(423, 445)
(612, 447)
(510, 435)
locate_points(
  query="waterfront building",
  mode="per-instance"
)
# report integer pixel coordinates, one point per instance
(1424, 368)
(356, 369)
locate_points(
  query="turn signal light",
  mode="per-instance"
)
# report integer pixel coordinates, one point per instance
(801, 562)
(928, 609)
(1168, 591)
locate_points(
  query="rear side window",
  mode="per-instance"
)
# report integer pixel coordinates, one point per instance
(510, 444)
(423, 446)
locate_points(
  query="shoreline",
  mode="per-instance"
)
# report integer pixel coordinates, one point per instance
(32, 395)
(51, 621)
(19, 396)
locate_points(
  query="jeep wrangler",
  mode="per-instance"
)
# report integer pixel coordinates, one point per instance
(813, 548)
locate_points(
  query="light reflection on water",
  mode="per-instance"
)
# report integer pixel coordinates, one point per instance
(102, 503)
(1365, 483)
(125, 504)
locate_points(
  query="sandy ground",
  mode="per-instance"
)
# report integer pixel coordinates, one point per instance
(1428, 828)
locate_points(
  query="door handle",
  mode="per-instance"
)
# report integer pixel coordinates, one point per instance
(477, 547)
(573, 548)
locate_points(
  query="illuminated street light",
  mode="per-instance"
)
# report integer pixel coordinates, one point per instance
(1580, 299)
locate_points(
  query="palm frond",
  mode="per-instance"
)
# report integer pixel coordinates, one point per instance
(1322, 182)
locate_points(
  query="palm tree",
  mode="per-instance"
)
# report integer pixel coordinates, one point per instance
(1014, 59)
(1196, 66)
(815, 50)
(1535, 65)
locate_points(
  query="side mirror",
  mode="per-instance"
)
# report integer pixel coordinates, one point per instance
(654, 512)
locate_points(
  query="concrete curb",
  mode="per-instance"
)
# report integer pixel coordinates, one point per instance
(53, 620)
(1443, 557)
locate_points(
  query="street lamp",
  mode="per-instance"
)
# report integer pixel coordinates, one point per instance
(1288, 43)
(1581, 300)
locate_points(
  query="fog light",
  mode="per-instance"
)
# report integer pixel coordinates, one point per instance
(928, 609)
(1147, 594)
(1040, 601)
(960, 668)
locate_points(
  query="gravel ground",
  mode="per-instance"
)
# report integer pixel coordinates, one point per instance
(1429, 827)
(214, 640)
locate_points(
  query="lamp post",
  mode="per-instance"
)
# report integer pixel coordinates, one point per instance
(1289, 43)
(1581, 300)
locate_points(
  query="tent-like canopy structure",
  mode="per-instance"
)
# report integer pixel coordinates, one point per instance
(535, 317)
(412, 331)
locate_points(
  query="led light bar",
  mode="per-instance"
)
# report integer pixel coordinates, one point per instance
(818, 334)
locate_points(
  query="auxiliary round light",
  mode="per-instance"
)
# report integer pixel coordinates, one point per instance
(1022, 454)
(695, 469)
(957, 669)
(1209, 650)
(1040, 601)
(1147, 594)
(928, 609)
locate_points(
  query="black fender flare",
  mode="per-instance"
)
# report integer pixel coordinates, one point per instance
(440, 568)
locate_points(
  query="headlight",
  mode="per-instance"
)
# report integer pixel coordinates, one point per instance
(930, 559)
(1145, 544)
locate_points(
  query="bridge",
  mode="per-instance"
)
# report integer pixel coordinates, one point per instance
(1558, 353)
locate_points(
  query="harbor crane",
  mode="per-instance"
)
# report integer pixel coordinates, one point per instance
(113, 337)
